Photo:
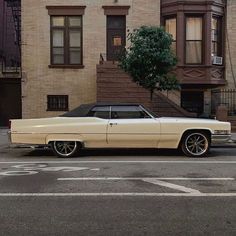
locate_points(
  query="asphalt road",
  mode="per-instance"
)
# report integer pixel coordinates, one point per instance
(117, 192)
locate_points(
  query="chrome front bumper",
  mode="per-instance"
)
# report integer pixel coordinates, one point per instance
(220, 138)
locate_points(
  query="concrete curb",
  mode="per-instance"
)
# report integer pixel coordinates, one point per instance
(4, 141)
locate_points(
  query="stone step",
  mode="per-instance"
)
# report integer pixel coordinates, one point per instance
(114, 85)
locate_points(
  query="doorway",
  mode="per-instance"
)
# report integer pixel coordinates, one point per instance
(10, 100)
(116, 37)
(193, 101)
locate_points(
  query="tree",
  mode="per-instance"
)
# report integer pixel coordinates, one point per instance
(149, 59)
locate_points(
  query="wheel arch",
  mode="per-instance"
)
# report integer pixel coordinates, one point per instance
(64, 137)
(204, 130)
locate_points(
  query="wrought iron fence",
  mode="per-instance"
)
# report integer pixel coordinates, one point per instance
(225, 97)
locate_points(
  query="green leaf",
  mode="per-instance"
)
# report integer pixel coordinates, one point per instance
(149, 58)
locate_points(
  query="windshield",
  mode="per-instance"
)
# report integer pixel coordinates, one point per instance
(150, 112)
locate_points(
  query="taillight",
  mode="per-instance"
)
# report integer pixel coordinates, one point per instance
(9, 124)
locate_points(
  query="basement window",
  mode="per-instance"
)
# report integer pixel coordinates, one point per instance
(57, 103)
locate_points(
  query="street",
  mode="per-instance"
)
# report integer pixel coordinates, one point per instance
(154, 77)
(117, 192)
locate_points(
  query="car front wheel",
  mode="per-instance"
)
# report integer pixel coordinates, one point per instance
(65, 148)
(195, 144)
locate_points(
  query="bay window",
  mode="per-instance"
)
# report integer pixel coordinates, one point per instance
(170, 27)
(193, 49)
(216, 35)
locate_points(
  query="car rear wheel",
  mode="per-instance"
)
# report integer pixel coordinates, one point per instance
(195, 144)
(65, 148)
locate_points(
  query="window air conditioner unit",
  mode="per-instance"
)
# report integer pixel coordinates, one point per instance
(217, 60)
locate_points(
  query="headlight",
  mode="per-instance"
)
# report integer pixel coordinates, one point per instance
(221, 131)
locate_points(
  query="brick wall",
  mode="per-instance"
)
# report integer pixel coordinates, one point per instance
(114, 85)
(79, 84)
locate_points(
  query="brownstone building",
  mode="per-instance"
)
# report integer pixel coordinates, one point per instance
(69, 51)
(10, 76)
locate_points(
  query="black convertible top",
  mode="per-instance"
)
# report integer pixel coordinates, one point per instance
(83, 110)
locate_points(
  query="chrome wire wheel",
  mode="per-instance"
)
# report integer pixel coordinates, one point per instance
(64, 148)
(196, 144)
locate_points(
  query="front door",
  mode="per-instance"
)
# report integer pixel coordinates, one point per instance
(193, 101)
(116, 37)
(10, 100)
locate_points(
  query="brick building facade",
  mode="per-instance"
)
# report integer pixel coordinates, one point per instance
(63, 41)
(41, 78)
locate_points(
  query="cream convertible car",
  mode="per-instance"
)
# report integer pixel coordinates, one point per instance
(119, 126)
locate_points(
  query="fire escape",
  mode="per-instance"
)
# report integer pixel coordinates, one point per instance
(15, 6)
(11, 65)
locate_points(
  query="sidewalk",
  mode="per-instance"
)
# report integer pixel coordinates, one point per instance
(4, 141)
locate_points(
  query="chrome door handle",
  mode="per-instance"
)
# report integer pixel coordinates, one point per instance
(113, 124)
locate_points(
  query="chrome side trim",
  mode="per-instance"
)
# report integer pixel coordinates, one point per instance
(96, 133)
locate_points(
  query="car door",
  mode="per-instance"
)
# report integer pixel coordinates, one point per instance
(132, 126)
(97, 129)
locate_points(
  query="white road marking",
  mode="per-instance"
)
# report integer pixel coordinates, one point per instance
(18, 173)
(118, 194)
(156, 181)
(117, 161)
(141, 178)
(31, 169)
(44, 167)
(30, 166)
(64, 168)
(170, 185)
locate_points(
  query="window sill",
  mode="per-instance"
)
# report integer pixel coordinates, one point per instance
(57, 110)
(66, 66)
(199, 66)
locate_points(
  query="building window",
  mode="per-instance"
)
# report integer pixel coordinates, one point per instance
(128, 112)
(170, 26)
(100, 112)
(216, 36)
(57, 103)
(193, 40)
(66, 40)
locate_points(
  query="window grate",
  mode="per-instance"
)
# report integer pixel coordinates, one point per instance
(57, 102)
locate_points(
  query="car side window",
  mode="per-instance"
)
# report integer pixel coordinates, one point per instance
(128, 112)
(100, 112)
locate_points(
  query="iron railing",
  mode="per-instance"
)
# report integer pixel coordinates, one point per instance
(226, 97)
(10, 60)
(15, 6)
